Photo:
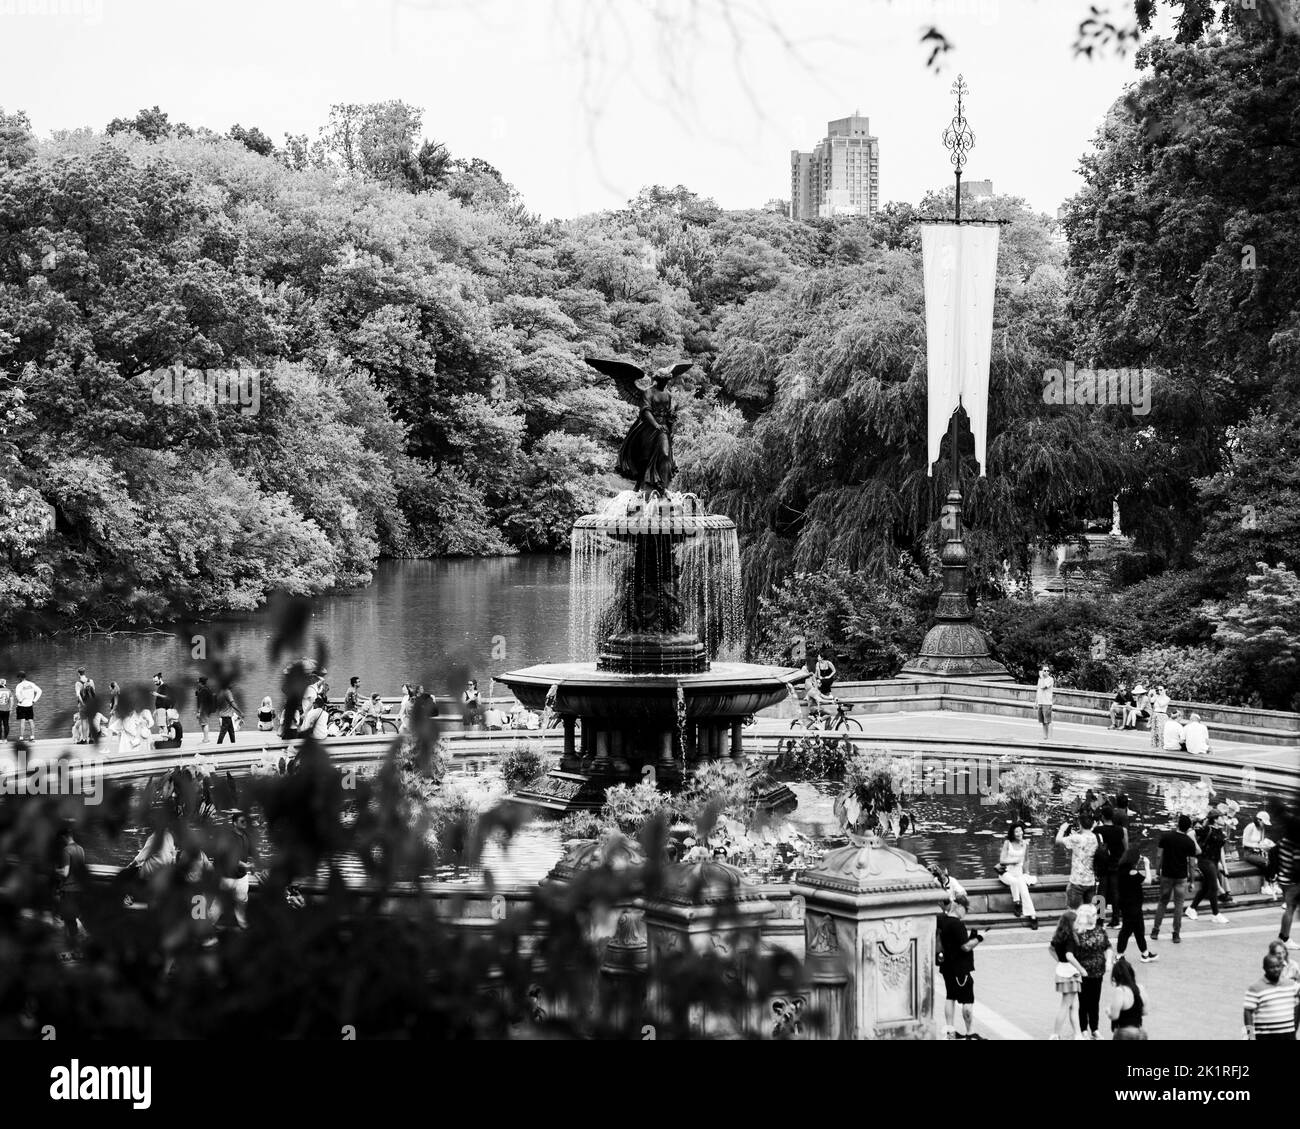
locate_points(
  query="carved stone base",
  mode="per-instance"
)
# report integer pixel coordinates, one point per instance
(956, 650)
(632, 653)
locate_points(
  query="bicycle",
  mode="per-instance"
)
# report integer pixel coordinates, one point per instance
(818, 719)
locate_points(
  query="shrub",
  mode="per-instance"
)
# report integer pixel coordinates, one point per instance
(524, 763)
(719, 788)
(872, 627)
(1025, 790)
(813, 756)
(630, 808)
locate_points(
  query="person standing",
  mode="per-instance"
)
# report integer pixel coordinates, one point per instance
(1271, 1002)
(6, 704)
(1133, 872)
(1013, 876)
(1082, 844)
(1288, 870)
(1106, 863)
(114, 693)
(238, 861)
(204, 703)
(1159, 715)
(26, 695)
(825, 671)
(1177, 849)
(1128, 1005)
(1122, 816)
(1257, 848)
(470, 698)
(1290, 969)
(1043, 700)
(1069, 976)
(162, 700)
(1093, 951)
(80, 727)
(229, 713)
(957, 962)
(1212, 841)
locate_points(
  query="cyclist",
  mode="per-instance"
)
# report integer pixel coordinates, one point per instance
(825, 671)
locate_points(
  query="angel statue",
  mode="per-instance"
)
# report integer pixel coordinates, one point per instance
(646, 456)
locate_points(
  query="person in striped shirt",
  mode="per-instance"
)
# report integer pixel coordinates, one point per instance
(1271, 1003)
(1288, 871)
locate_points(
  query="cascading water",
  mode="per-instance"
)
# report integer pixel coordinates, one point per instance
(660, 567)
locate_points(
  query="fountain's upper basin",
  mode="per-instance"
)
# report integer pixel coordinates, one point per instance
(727, 690)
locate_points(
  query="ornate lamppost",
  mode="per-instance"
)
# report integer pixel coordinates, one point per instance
(960, 267)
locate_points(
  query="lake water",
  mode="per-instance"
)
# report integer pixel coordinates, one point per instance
(436, 622)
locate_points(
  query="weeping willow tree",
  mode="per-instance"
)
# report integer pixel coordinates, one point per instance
(821, 453)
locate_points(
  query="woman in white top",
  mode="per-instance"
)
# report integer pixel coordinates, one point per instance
(317, 721)
(1013, 875)
(137, 733)
(404, 709)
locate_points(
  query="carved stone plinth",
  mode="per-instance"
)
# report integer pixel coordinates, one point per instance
(954, 647)
(706, 907)
(870, 915)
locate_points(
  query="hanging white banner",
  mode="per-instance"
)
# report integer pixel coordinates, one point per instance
(960, 269)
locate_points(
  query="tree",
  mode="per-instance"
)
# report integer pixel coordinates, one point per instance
(1252, 505)
(1184, 245)
(1261, 633)
(151, 125)
(253, 138)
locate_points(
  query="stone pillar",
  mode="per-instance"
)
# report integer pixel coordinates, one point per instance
(602, 928)
(666, 751)
(870, 914)
(709, 907)
(622, 991)
(570, 731)
(737, 741)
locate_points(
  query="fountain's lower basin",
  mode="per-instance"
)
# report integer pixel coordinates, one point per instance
(658, 727)
(727, 690)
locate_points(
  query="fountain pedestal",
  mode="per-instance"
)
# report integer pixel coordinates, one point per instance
(655, 596)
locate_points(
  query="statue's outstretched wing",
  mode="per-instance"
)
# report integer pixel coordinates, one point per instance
(681, 366)
(624, 374)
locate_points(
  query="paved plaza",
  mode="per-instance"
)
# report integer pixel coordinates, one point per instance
(1196, 987)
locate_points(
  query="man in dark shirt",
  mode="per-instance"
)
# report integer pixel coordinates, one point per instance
(1212, 841)
(204, 703)
(1177, 848)
(1115, 840)
(162, 701)
(957, 961)
(1120, 706)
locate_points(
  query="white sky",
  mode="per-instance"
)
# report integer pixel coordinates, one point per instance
(582, 130)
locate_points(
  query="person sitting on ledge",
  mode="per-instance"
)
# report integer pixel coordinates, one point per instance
(1196, 737)
(173, 732)
(1119, 708)
(1174, 733)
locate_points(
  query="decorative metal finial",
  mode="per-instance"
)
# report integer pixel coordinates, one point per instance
(958, 138)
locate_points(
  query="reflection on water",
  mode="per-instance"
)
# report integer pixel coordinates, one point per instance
(959, 832)
(435, 622)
